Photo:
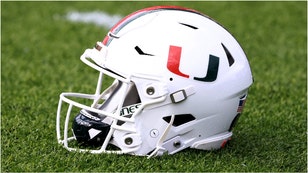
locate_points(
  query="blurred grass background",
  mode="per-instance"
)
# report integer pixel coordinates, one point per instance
(40, 53)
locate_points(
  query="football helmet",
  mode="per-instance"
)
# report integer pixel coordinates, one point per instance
(180, 80)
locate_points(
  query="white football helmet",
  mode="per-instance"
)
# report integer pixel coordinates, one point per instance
(180, 81)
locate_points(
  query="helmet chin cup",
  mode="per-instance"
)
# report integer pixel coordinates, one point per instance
(89, 129)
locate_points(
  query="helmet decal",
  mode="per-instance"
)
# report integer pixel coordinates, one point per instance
(174, 59)
(212, 70)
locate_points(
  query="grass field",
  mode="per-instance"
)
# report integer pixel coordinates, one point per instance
(40, 53)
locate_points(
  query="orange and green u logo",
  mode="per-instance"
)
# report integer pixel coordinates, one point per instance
(173, 65)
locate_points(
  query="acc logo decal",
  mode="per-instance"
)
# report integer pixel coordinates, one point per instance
(129, 110)
(174, 59)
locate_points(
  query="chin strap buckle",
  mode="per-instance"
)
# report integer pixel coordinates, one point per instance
(181, 95)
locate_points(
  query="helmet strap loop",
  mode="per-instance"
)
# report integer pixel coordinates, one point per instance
(159, 150)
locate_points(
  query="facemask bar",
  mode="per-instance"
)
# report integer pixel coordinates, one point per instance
(115, 116)
(98, 56)
(64, 97)
(159, 150)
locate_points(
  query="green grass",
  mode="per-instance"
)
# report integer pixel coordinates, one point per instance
(40, 59)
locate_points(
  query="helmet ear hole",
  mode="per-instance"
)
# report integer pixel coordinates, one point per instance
(180, 119)
(132, 96)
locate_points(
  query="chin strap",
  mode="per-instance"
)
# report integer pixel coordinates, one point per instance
(159, 150)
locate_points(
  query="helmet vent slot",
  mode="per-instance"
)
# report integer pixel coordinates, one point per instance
(229, 56)
(137, 48)
(180, 119)
(190, 26)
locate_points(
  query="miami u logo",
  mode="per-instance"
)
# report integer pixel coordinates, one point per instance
(174, 59)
